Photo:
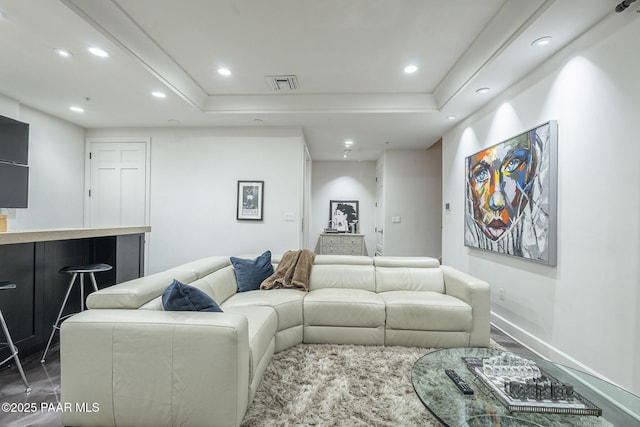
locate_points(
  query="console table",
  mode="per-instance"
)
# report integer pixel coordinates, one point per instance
(342, 244)
(31, 259)
(453, 408)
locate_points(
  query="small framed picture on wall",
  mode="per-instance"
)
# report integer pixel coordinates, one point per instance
(250, 200)
(343, 215)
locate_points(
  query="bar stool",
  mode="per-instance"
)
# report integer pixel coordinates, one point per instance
(76, 271)
(12, 347)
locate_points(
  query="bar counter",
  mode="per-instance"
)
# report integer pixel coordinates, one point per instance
(32, 260)
(32, 236)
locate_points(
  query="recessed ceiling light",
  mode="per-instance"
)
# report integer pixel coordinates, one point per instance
(482, 90)
(409, 69)
(98, 52)
(451, 117)
(76, 109)
(224, 71)
(64, 53)
(159, 94)
(348, 142)
(542, 41)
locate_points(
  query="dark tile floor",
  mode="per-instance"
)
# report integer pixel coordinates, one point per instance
(41, 407)
(510, 344)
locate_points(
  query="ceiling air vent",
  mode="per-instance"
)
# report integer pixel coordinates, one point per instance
(282, 83)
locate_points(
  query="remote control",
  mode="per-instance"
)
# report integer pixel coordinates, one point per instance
(459, 382)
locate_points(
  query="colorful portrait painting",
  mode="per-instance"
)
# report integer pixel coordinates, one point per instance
(510, 205)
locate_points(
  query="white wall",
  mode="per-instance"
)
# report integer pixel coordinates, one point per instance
(584, 311)
(56, 171)
(413, 193)
(194, 175)
(343, 180)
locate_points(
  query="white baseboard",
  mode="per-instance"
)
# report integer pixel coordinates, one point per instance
(542, 348)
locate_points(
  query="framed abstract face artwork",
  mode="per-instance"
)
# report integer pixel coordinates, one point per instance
(511, 196)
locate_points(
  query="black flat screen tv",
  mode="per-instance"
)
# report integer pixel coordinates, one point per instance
(14, 160)
(14, 185)
(14, 141)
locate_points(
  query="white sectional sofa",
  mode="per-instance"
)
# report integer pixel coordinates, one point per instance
(144, 366)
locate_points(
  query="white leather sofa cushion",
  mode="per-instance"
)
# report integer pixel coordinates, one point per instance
(344, 335)
(426, 339)
(262, 327)
(343, 276)
(219, 285)
(342, 271)
(344, 307)
(204, 266)
(154, 305)
(342, 259)
(411, 262)
(426, 311)
(136, 292)
(409, 279)
(288, 338)
(286, 302)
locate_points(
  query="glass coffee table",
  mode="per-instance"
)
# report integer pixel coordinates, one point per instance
(607, 404)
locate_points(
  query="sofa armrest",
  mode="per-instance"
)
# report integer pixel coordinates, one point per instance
(155, 368)
(476, 293)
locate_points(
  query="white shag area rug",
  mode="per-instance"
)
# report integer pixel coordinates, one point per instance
(340, 385)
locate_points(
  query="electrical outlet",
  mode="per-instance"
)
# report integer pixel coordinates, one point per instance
(501, 294)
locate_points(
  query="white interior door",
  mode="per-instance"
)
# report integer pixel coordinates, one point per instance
(117, 183)
(379, 208)
(306, 201)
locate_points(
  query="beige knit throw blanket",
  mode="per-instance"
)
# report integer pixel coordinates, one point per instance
(293, 271)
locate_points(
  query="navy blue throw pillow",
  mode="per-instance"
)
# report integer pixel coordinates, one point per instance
(251, 272)
(181, 297)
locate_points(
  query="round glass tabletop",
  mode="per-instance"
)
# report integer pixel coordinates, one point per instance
(488, 407)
